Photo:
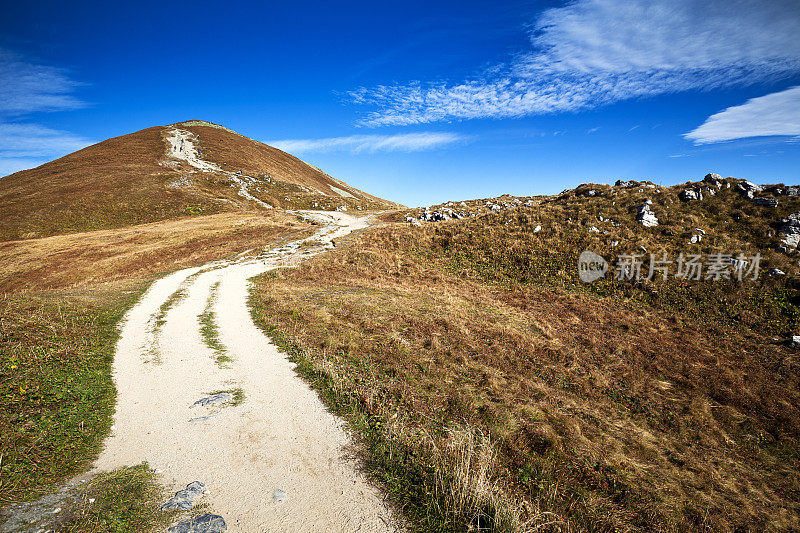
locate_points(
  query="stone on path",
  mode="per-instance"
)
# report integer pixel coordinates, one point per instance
(184, 499)
(279, 496)
(204, 523)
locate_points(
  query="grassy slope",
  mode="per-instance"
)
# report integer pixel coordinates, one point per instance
(613, 406)
(55, 385)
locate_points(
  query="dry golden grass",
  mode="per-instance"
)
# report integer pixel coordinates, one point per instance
(611, 409)
(106, 256)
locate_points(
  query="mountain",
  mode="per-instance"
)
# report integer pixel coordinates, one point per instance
(164, 172)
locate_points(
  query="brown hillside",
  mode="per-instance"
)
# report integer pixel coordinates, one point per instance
(132, 179)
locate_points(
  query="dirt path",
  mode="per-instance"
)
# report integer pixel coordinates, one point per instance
(181, 146)
(275, 462)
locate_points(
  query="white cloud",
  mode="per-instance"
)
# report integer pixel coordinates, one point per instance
(773, 114)
(24, 146)
(26, 87)
(594, 52)
(407, 142)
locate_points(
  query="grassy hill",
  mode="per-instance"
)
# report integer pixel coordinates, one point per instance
(493, 388)
(136, 179)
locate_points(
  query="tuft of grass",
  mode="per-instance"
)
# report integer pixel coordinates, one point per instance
(209, 330)
(124, 500)
(55, 387)
(238, 396)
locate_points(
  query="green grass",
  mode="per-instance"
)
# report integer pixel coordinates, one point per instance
(209, 330)
(125, 500)
(55, 388)
(237, 393)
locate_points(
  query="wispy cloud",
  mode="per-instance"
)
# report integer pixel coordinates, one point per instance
(594, 52)
(773, 114)
(27, 87)
(29, 145)
(406, 142)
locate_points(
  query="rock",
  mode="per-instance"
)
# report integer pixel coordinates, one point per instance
(695, 239)
(766, 202)
(204, 523)
(643, 249)
(222, 397)
(690, 194)
(700, 231)
(184, 499)
(537, 229)
(614, 243)
(748, 188)
(794, 342)
(776, 272)
(279, 496)
(713, 178)
(790, 226)
(646, 217)
(626, 184)
(793, 190)
(594, 230)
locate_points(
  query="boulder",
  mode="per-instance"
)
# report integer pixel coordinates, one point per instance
(690, 194)
(646, 217)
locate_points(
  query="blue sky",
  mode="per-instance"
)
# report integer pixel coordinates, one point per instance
(422, 102)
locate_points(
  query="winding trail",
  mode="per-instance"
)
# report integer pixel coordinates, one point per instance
(280, 438)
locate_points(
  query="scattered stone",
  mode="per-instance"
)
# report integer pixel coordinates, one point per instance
(222, 397)
(794, 342)
(642, 248)
(695, 239)
(776, 272)
(594, 230)
(793, 190)
(204, 523)
(279, 496)
(184, 499)
(614, 243)
(766, 202)
(646, 217)
(626, 184)
(537, 229)
(700, 231)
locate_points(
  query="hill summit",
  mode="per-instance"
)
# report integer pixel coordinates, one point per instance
(164, 172)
